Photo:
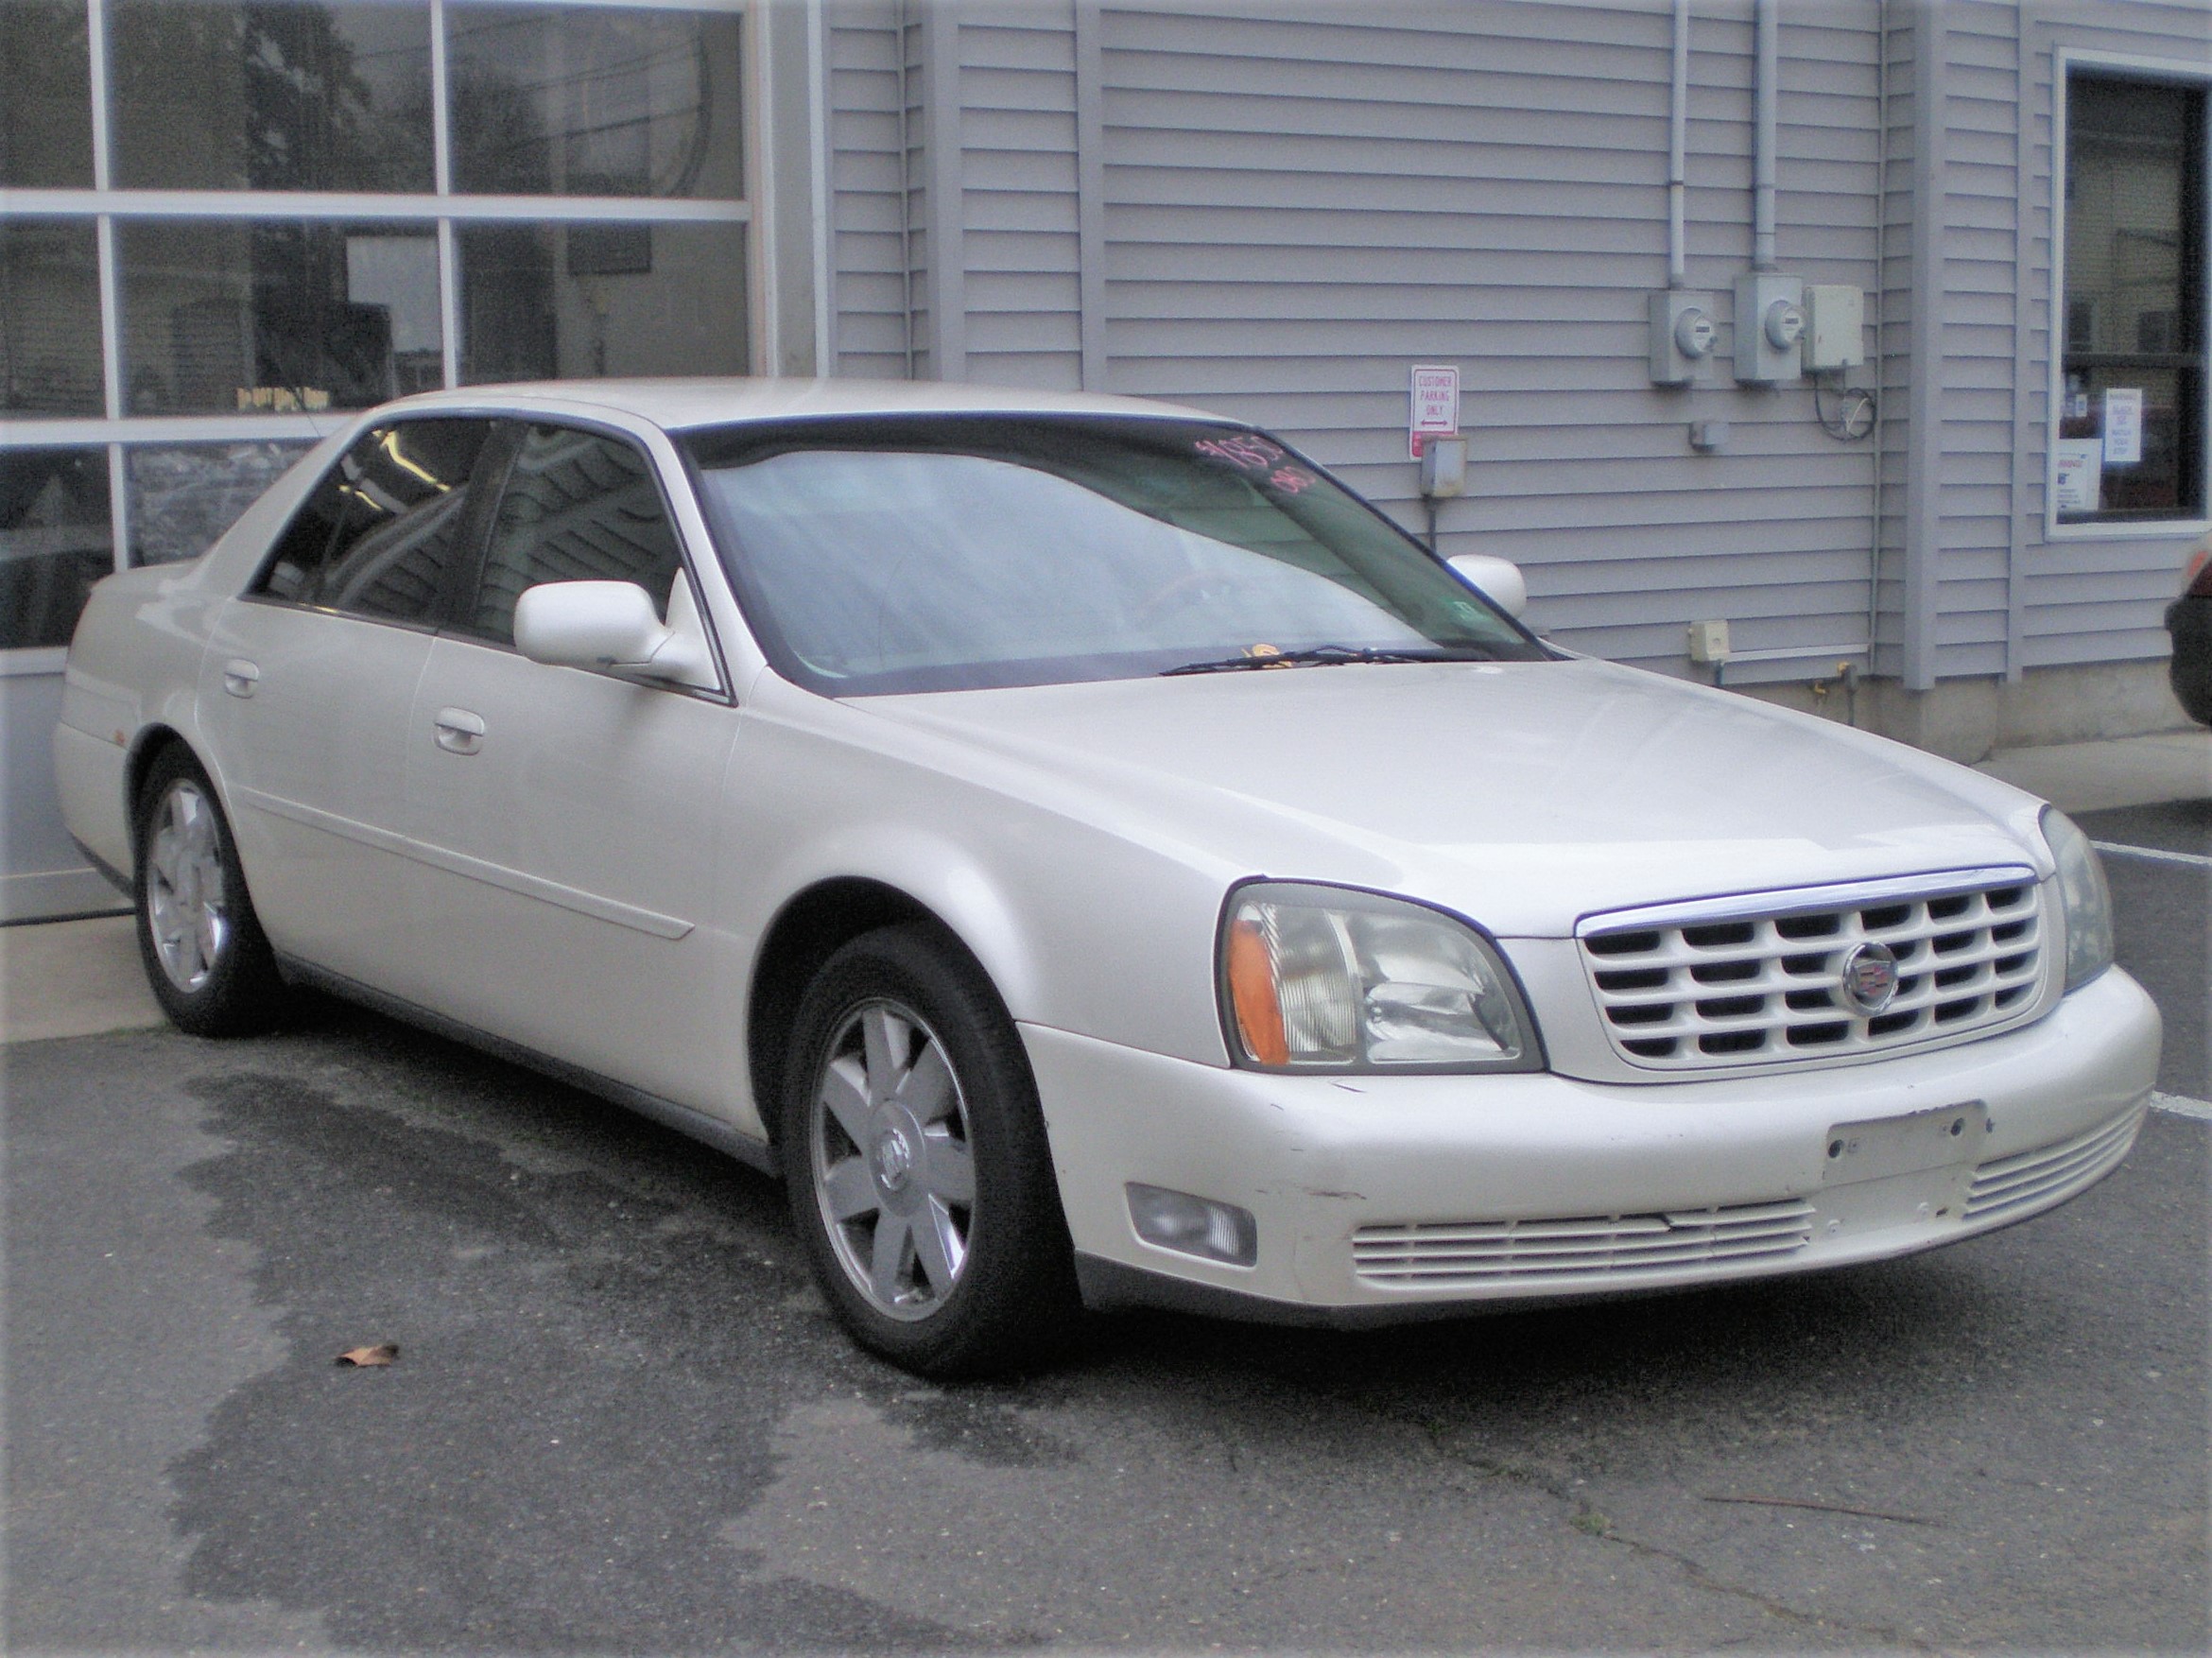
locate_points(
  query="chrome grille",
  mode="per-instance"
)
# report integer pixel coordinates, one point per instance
(1758, 981)
(1436, 1254)
(2049, 1173)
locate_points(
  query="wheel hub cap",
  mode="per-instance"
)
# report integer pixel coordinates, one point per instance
(894, 1159)
(187, 910)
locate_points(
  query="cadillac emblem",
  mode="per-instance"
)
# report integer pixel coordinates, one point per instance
(1870, 977)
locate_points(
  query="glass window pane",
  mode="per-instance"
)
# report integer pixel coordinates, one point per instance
(222, 315)
(592, 101)
(2131, 417)
(49, 318)
(375, 537)
(277, 95)
(46, 117)
(54, 541)
(576, 507)
(582, 302)
(906, 552)
(185, 495)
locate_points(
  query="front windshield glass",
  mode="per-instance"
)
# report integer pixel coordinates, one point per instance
(946, 552)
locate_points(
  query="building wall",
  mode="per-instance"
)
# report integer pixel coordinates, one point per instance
(1298, 210)
(2087, 596)
(866, 96)
(1019, 223)
(1275, 211)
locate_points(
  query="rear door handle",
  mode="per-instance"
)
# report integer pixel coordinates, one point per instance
(459, 731)
(240, 676)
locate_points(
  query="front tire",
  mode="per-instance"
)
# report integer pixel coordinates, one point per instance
(209, 963)
(916, 1162)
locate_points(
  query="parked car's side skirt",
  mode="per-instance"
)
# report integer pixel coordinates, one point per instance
(698, 1125)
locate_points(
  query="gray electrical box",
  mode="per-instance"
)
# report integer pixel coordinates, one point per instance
(1835, 327)
(1681, 336)
(1770, 328)
(1443, 467)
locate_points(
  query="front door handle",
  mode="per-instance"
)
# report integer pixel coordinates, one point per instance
(240, 676)
(459, 731)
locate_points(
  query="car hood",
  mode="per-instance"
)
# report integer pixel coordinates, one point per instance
(1525, 795)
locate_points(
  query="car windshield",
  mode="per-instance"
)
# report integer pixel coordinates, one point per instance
(947, 552)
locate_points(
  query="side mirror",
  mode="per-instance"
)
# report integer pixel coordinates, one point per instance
(1496, 579)
(610, 624)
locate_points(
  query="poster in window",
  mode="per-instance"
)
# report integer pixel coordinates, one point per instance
(2078, 474)
(2123, 425)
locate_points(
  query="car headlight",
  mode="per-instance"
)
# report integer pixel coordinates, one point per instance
(2086, 899)
(1329, 979)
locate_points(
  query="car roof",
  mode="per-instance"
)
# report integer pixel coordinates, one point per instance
(679, 404)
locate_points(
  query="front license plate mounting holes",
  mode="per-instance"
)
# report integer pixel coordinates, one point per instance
(1882, 1146)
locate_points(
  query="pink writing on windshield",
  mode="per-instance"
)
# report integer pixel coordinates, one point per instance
(1242, 449)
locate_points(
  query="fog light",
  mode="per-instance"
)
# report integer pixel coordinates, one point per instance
(1194, 1226)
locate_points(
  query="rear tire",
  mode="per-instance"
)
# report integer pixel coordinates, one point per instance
(210, 965)
(916, 1164)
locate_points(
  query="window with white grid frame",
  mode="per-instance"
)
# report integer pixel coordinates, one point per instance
(228, 221)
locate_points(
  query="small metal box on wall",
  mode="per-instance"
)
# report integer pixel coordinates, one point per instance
(1835, 327)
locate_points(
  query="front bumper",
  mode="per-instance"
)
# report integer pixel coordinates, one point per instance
(1390, 1196)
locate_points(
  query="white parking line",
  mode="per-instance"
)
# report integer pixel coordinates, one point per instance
(2181, 1105)
(2157, 854)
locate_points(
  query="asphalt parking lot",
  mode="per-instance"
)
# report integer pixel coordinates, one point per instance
(620, 1420)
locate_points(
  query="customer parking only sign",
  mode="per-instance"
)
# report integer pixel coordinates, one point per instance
(1436, 405)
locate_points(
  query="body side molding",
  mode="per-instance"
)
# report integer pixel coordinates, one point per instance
(492, 875)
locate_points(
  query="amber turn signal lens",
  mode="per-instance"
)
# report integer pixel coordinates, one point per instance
(1252, 992)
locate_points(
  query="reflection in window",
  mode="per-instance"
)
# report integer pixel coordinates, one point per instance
(222, 315)
(939, 552)
(585, 101)
(2131, 429)
(49, 318)
(374, 537)
(185, 495)
(46, 118)
(54, 541)
(577, 508)
(280, 95)
(583, 302)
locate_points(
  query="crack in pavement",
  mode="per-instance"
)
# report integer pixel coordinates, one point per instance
(1593, 1522)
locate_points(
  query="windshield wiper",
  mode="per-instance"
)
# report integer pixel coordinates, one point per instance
(1319, 656)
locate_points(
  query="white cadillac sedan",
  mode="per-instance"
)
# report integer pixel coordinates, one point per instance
(1093, 856)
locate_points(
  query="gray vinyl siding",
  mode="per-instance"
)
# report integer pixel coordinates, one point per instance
(1891, 311)
(2000, 594)
(1018, 213)
(1287, 205)
(1979, 197)
(1299, 207)
(867, 183)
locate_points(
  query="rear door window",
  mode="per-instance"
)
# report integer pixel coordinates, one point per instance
(378, 535)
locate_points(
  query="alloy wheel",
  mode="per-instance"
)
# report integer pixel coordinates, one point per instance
(893, 1172)
(186, 897)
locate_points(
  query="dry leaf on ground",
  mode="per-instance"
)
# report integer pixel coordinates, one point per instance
(363, 1358)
